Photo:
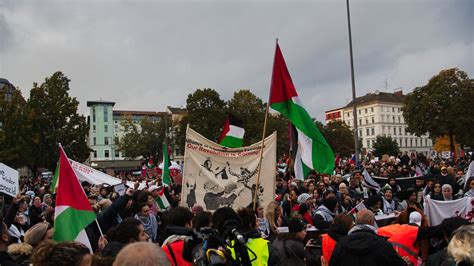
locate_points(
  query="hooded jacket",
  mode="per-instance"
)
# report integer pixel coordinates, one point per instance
(364, 247)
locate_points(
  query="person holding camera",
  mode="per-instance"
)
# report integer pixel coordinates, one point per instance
(174, 245)
(290, 246)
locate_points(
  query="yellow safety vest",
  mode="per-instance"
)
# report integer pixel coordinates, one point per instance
(259, 246)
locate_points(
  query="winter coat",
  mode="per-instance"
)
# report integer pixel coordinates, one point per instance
(364, 247)
(291, 251)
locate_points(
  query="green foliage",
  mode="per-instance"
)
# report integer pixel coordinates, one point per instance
(146, 140)
(442, 107)
(54, 119)
(385, 145)
(206, 112)
(14, 130)
(340, 138)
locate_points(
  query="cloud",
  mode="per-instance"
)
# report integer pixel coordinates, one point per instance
(146, 55)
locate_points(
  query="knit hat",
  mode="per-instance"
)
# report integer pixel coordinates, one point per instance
(385, 188)
(296, 225)
(36, 233)
(303, 198)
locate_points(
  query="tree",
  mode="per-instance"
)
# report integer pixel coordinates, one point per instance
(14, 129)
(340, 138)
(54, 119)
(385, 145)
(144, 141)
(206, 112)
(442, 107)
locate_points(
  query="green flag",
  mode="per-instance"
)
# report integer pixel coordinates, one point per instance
(166, 165)
(54, 182)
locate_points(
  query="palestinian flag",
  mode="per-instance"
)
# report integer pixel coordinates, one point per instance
(165, 176)
(162, 201)
(73, 212)
(313, 151)
(232, 135)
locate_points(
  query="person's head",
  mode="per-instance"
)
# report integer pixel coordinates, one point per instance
(330, 203)
(248, 219)
(447, 191)
(343, 188)
(374, 202)
(342, 223)
(450, 225)
(180, 216)
(459, 173)
(104, 191)
(143, 210)
(346, 199)
(130, 230)
(48, 199)
(392, 181)
(154, 190)
(415, 218)
(298, 228)
(310, 186)
(293, 195)
(460, 247)
(38, 233)
(223, 218)
(202, 219)
(388, 194)
(64, 253)
(437, 188)
(365, 217)
(471, 183)
(444, 170)
(303, 198)
(326, 181)
(411, 195)
(142, 253)
(273, 211)
(419, 181)
(37, 201)
(3, 235)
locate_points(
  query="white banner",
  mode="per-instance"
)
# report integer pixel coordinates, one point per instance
(8, 180)
(215, 176)
(437, 210)
(93, 176)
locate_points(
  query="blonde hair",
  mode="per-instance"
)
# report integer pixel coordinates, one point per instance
(270, 214)
(461, 246)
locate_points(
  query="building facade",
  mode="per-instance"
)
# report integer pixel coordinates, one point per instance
(107, 128)
(380, 114)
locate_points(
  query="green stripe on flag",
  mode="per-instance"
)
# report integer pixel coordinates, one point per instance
(166, 165)
(70, 222)
(162, 201)
(232, 142)
(322, 154)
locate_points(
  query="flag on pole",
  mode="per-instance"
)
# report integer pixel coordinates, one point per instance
(54, 182)
(313, 152)
(73, 213)
(166, 166)
(232, 135)
(369, 181)
(162, 201)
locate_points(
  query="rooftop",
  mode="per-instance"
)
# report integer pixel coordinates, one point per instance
(144, 113)
(176, 110)
(100, 102)
(386, 97)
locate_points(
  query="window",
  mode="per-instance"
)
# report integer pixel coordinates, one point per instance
(116, 128)
(383, 129)
(117, 154)
(360, 132)
(95, 154)
(406, 142)
(106, 141)
(399, 130)
(393, 119)
(359, 111)
(372, 109)
(426, 142)
(360, 121)
(348, 114)
(368, 132)
(373, 119)
(411, 142)
(383, 118)
(373, 131)
(94, 141)
(115, 122)
(394, 131)
(393, 109)
(399, 119)
(366, 121)
(106, 153)
(365, 110)
(93, 128)
(368, 144)
(116, 140)
(106, 114)
(93, 114)
(106, 128)
(400, 142)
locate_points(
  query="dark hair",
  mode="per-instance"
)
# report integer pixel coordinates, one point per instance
(450, 225)
(202, 219)
(179, 216)
(140, 206)
(56, 254)
(373, 200)
(221, 216)
(248, 220)
(126, 230)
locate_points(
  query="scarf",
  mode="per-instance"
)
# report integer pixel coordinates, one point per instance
(150, 225)
(327, 215)
(388, 207)
(363, 228)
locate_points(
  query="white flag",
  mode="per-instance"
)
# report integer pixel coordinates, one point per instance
(437, 210)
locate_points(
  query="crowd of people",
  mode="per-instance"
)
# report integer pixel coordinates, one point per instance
(321, 220)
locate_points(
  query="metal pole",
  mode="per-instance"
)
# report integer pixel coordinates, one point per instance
(354, 108)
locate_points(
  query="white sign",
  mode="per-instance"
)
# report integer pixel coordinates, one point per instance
(437, 210)
(216, 176)
(120, 189)
(8, 180)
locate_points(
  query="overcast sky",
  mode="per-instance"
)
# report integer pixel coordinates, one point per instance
(145, 55)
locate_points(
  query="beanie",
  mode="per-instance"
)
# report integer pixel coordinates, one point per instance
(296, 225)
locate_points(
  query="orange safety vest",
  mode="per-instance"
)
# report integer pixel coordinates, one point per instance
(402, 237)
(328, 244)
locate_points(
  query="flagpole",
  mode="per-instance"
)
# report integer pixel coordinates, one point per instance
(98, 226)
(255, 197)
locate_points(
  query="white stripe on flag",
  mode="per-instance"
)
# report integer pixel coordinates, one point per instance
(236, 131)
(84, 239)
(299, 174)
(368, 179)
(305, 147)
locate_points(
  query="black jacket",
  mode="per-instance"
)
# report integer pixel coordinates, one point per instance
(292, 252)
(6, 260)
(364, 248)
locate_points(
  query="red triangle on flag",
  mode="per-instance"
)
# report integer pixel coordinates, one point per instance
(69, 191)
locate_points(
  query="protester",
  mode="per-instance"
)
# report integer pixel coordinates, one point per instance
(436, 193)
(5, 258)
(61, 254)
(274, 215)
(460, 247)
(148, 220)
(174, 244)
(324, 214)
(470, 188)
(130, 230)
(339, 229)
(447, 191)
(362, 245)
(290, 246)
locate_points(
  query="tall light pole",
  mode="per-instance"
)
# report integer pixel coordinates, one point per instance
(354, 107)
